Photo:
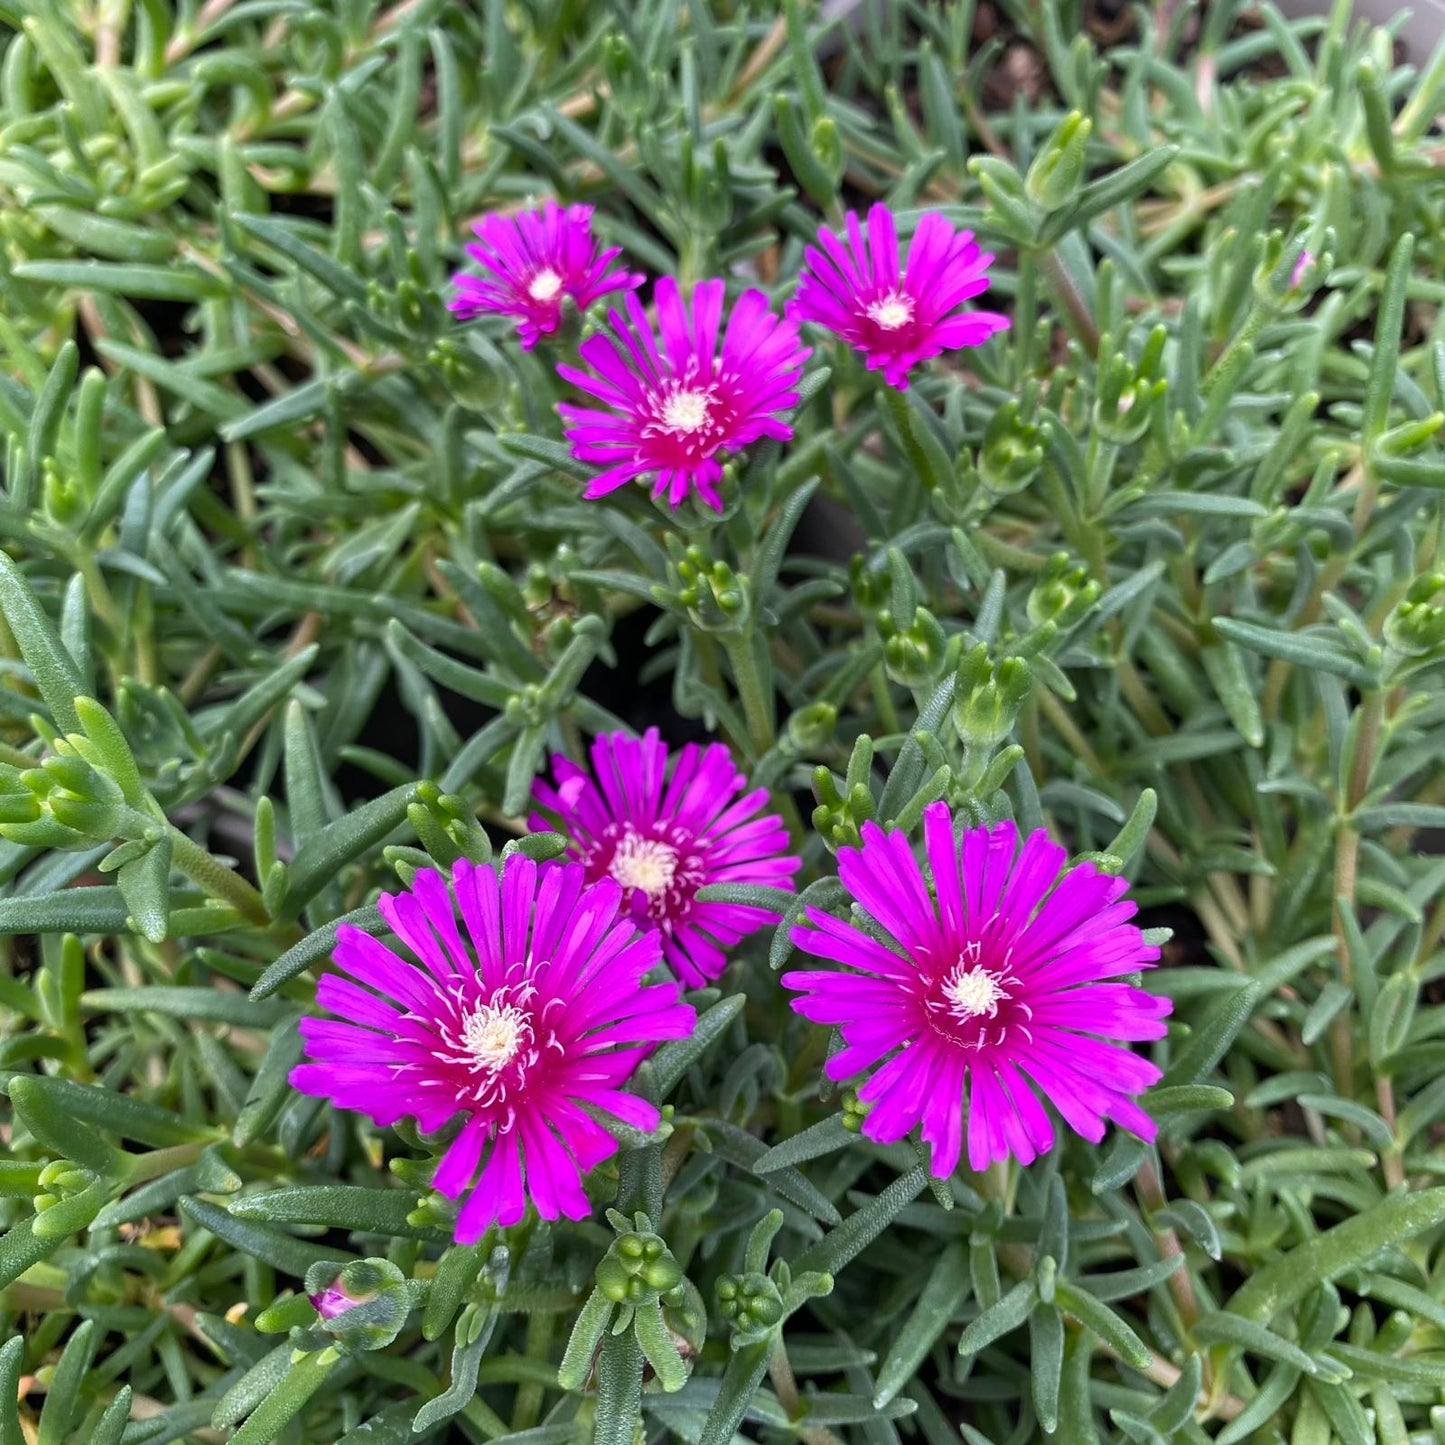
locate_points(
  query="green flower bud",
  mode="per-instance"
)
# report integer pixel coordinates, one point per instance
(988, 696)
(1063, 593)
(750, 1302)
(626, 75)
(1012, 451)
(827, 146)
(869, 585)
(1058, 169)
(810, 729)
(1046, 1277)
(1012, 212)
(716, 598)
(1282, 277)
(914, 655)
(613, 1278)
(525, 707)
(64, 501)
(839, 815)
(662, 1275)
(1416, 627)
(1130, 392)
(638, 1266)
(854, 1111)
(537, 585)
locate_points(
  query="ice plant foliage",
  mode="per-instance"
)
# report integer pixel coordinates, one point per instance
(537, 260)
(994, 985)
(523, 1020)
(677, 408)
(897, 317)
(663, 832)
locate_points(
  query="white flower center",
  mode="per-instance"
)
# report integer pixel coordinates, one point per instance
(645, 863)
(492, 1036)
(686, 410)
(974, 993)
(544, 285)
(891, 311)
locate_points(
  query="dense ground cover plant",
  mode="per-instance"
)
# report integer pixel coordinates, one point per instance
(340, 598)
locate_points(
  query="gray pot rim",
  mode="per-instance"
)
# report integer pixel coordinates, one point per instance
(1420, 33)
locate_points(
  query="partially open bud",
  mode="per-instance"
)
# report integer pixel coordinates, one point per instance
(362, 1305)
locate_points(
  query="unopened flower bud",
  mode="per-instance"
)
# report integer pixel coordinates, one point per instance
(914, 654)
(750, 1301)
(1058, 169)
(854, 1111)
(1416, 627)
(811, 728)
(1063, 593)
(637, 1267)
(1012, 450)
(869, 585)
(63, 499)
(988, 696)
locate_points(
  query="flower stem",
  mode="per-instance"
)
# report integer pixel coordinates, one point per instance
(216, 878)
(785, 1383)
(1181, 1285)
(1057, 275)
(1347, 857)
(757, 705)
(902, 413)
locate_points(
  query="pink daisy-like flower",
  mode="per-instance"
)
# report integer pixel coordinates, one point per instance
(537, 259)
(662, 835)
(897, 318)
(991, 981)
(524, 1022)
(675, 412)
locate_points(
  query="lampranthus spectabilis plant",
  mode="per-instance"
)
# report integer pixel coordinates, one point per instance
(677, 406)
(897, 315)
(525, 1023)
(662, 827)
(299, 597)
(995, 985)
(536, 261)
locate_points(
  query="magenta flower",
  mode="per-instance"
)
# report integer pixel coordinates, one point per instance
(663, 835)
(537, 259)
(1297, 272)
(524, 1023)
(674, 413)
(897, 319)
(991, 981)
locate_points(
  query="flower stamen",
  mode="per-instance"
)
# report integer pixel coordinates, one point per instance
(891, 311)
(687, 410)
(647, 864)
(545, 285)
(493, 1036)
(974, 993)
